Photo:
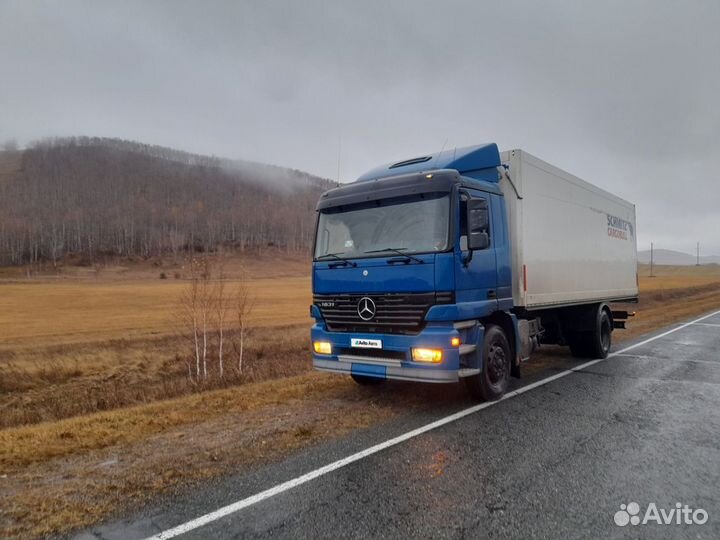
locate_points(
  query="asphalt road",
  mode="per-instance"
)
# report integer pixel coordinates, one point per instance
(555, 461)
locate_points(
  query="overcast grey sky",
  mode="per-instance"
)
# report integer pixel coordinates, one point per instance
(621, 93)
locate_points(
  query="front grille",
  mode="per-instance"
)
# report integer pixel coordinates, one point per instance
(394, 314)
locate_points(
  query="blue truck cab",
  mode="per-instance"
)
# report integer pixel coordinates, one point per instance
(411, 267)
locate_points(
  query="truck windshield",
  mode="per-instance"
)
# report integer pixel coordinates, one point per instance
(411, 225)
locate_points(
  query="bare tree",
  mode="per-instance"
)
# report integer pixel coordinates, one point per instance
(206, 295)
(101, 197)
(204, 315)
(189, 314)
(243, 303)
(11, 145)
(221, 310)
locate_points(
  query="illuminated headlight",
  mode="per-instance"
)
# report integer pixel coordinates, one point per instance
(322, 347)
(427, 355)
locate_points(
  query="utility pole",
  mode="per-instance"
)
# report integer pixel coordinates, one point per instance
(652, 258)
(698, 254)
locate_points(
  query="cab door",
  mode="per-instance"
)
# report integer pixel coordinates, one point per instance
(475, 270)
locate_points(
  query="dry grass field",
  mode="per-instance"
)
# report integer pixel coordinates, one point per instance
(98, 416)
(677, 277)
(50, 313)
(82, 305)
(673, 294)
(112, 341)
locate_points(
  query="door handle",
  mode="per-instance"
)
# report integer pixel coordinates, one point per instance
(492, 293)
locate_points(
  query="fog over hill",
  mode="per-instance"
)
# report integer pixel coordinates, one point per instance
(99, 196)
(675, 258)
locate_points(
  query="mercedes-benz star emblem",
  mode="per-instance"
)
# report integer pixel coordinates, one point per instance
(366, 308)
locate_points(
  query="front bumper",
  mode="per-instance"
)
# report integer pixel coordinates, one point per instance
(357, 367)
(398, 363)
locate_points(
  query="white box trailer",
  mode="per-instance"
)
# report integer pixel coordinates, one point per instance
(572, 242)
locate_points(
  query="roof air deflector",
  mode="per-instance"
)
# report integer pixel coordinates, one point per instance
(413, 161)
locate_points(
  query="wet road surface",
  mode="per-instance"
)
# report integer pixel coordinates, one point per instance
(555, 461)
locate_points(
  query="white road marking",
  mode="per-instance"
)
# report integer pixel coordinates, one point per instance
(312, 475)
(691, 360)
(709, 324)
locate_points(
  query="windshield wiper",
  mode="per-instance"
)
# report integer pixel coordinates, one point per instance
(399, 251)
(337, 257)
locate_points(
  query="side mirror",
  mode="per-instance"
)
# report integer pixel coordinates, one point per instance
(478, 224)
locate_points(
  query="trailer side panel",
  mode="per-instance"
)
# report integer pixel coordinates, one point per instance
(572, 242)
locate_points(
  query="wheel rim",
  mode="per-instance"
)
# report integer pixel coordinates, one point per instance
(496, 364)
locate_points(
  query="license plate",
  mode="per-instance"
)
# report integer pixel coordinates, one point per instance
(364, 343)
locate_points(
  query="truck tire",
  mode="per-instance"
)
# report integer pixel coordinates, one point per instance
(364, 380)
(492, 382)
(595, 343)
(601, 339)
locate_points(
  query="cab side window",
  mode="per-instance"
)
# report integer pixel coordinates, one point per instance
(463, 223)
(480, 219)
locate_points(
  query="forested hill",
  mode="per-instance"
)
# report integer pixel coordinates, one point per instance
(99, 197)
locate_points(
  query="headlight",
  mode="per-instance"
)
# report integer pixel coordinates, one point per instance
(427, 355)
(322, 347)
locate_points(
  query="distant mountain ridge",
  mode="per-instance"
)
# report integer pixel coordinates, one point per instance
(101, 196)
(675, 258)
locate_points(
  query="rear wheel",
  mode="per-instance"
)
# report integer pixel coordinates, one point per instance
(364, 380)
(601, 338)
(595, 343)
(492, 382)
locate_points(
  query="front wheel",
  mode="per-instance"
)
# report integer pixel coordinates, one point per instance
(492, 382)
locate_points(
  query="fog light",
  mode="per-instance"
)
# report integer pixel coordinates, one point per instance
(455, 342)
(322, 347)
(427, 355)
